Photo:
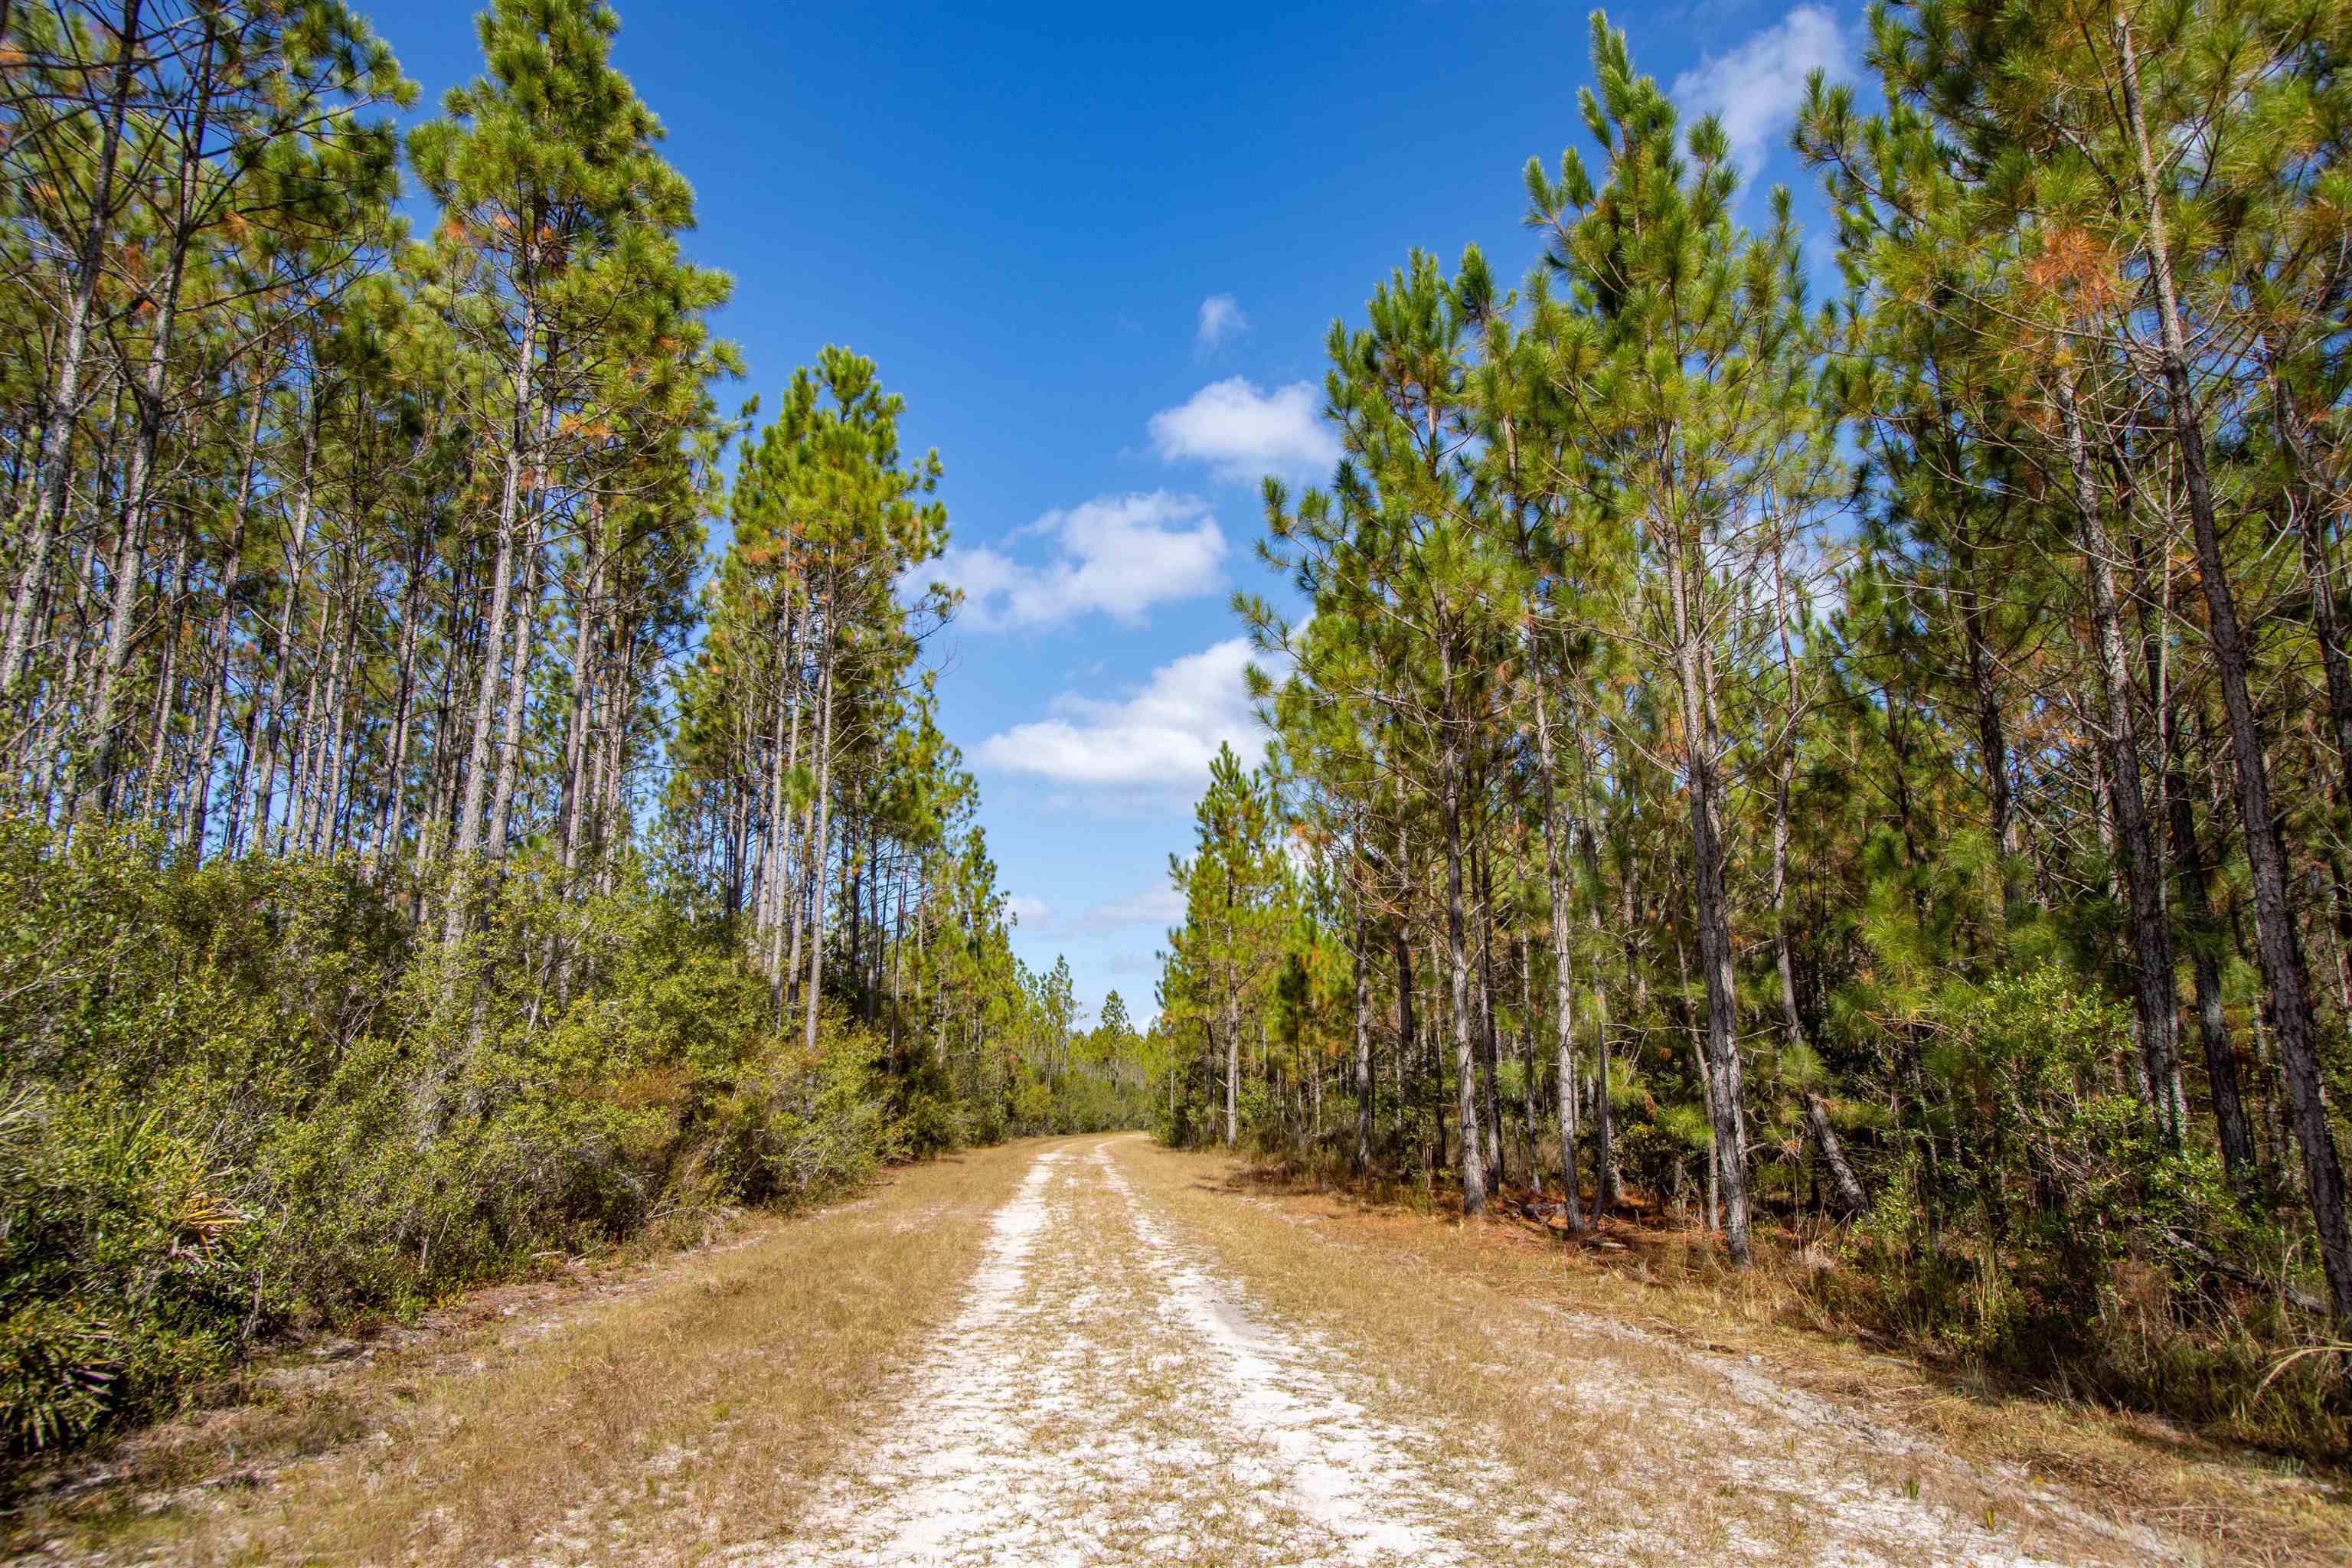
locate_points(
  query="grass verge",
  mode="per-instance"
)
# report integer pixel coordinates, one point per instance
(1494, 1325)
(690, 1411)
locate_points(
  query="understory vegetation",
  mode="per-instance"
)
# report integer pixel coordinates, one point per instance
(1865, 777)
(422, 857)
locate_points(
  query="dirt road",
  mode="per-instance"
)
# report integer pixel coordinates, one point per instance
(1095, 1350)
(1112, 1392)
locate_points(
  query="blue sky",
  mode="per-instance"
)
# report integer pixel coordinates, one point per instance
(1098, 250)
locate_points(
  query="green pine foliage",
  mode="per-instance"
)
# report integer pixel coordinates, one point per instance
(1864, 779)
(423, 862)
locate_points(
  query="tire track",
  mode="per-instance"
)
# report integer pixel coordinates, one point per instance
(1101, 1398)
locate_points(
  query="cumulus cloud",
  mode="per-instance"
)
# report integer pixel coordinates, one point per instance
(1758, 87)
(1243, 433)
(1114, 555)
(1221, 318)
(1154, 746)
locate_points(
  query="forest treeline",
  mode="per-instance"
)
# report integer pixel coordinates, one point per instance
(1868, 762)
(419, 862)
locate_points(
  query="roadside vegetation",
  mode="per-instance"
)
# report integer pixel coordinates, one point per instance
(1865, 777)
(423, 858)
(696, 1401)
(1621, 1367)
(1861, 784)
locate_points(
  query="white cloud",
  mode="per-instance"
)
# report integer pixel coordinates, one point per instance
(1243, 433)
(1028, 912)
(1158, 905)
(1221, 318)
(1114, 555)
(1758, 87)
(1156, 744)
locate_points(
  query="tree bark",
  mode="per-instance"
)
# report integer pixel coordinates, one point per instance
(1713, 904)
(1474, 1175)
(815, 850)
(526, 645)
(2143, 878)
(520, 430)
(2278, 941)
(1362, 958)
(1557, 833)
(65, 395)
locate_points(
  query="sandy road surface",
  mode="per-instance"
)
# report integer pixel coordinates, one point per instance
(1096, 1350)
(1110, 1392)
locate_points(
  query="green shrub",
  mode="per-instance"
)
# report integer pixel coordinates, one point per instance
(247, 1099)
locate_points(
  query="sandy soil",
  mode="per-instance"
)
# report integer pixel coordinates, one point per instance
(1111, 1393)
(1078, 1352)
(1103, 1398)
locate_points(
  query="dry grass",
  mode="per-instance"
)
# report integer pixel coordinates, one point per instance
(1078, 1414)
(692, 1412)
(1475, 1319)
(797, 1388)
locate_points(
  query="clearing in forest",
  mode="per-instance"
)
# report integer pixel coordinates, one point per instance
(1098, 1351)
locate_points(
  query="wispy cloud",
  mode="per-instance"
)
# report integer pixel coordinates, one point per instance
(1758, 88)
(1114, 555)
(1158, 905)
(1244, 433)
(1151, 749)
(1026, 912)
(1220, 321)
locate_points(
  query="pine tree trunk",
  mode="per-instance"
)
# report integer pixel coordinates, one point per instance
(1408, 1025)
(2279, 942)
(476, 775)
(816, 849)
(156, 776)
(150, 403)
(2152, 978)
(297, 786)
(612, 833)
(1362, 958)
(1458, 954)
(123, 576)
(1847, 1197)
(1530, 1085)
(526, 646)
(1490, 1064)
(794, 859)
(1557, 833)
(1233, 1057)
(392, 822)
(586, 613)
(1607, 1188)
(1712, 901)
(2205, 941)
(64, 394)
(329, 828)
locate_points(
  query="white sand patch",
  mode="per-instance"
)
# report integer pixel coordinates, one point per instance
(1100, 1398)
(1356, 1476)
(1825, 1464)
(1109, 1393)
(1810, 1461)
(959, 1413)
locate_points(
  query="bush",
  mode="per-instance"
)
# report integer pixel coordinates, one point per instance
(247, 1099)
(2040, 1242)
